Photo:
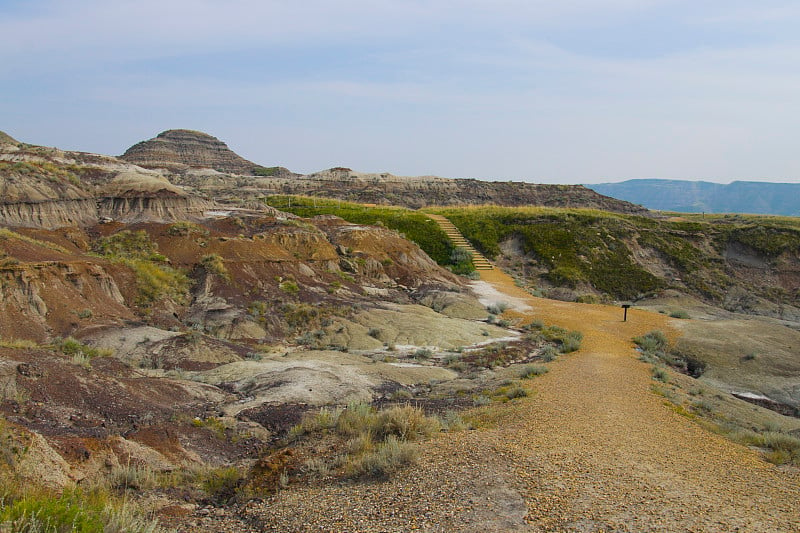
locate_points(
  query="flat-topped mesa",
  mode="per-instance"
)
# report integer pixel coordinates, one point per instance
(182, 149)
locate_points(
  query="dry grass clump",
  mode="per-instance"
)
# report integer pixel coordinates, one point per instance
(777, 447)
(372, 443)
(561, 340)
(18, 344)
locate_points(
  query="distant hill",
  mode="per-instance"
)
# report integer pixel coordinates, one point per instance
(188, 154)
(181, 148)
(702, 196)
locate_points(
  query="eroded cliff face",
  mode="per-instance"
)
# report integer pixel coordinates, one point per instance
(49, 188)
(254, 280)
(181, 149)
(50, 299)
(49, 214)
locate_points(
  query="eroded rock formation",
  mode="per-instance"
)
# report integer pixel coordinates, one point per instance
(178, 149)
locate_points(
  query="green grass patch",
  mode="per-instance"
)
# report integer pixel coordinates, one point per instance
(577, 246)
(414, 225)
(73, 510)
(155, 278)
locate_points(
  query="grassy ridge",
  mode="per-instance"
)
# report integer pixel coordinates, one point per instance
(414, 225)
(589, 247)
(576, 246)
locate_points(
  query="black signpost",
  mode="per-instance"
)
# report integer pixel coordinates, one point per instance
(625, 315)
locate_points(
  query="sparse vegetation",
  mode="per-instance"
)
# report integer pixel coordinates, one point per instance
(509, 391)
(654, 348)
(530, 371)
(375, 443)
(414, 225)
(266, 171)
(80, 352)
(183, 229)
(660, 374)
(215, 265)
(6, 233)
(289, 286)
(58, 174)
(563, 340)
(154, 277)
(31, 510)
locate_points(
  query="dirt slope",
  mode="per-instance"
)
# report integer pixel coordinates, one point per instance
(593, 449)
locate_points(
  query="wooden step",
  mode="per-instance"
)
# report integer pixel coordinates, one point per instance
(455, 236)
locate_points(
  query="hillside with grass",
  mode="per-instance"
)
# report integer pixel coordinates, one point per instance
(749, 264)
(411, 224)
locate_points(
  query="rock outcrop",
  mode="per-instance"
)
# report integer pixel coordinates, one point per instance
(181, 149)
(49, 188)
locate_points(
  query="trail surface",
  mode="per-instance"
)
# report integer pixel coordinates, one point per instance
(592, 449)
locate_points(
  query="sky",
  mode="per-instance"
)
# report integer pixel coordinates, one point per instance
(568, 91)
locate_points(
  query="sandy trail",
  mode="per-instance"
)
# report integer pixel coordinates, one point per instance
(599, 451)
(592, 449)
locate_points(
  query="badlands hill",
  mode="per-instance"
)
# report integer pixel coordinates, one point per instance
(179, 149)
(164, 332)
(205, 164)
(50, 188)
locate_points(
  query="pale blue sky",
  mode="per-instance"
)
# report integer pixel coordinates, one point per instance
(573, 91)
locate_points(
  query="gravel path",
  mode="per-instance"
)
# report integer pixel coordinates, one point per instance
(592, 449)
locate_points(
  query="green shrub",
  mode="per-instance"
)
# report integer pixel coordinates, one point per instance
(154, 278)
(222, 484)
(548, 353)
(653, 342)
(509, 392)
(386, 458)
(497, 308)
(461, 261)
(130, 244)
(679, 314)
(422, 353)
(659, 374)
(572, 343)
(214, 264)
(75, 348)
(530, 371)
(289, 286)
(183, 229)
(265, 171)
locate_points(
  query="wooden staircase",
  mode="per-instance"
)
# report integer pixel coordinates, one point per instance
(478, 260)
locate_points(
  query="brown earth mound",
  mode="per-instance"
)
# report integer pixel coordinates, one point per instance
(177, 149)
